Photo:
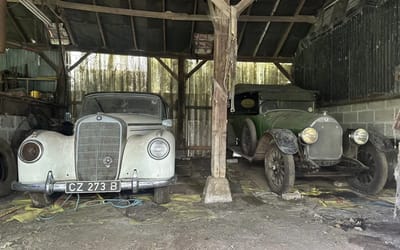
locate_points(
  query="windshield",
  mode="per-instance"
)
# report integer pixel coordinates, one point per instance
(137, 104)
(302, 105)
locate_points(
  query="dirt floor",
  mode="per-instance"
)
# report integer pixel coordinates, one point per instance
(327, 217)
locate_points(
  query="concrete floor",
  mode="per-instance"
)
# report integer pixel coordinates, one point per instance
(326, 218)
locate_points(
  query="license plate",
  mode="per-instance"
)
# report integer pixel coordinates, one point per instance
(74, 187)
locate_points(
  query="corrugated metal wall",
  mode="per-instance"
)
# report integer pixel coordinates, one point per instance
(30, 64)
(356, 60)
(101, 72)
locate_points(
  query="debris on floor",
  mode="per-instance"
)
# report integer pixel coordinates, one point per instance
(352, 223)
(296, 195)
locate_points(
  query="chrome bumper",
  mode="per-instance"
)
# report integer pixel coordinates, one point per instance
(51, 186)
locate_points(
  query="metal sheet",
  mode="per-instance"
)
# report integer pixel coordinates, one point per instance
(355, 60)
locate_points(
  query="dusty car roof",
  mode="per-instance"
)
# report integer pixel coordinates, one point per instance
(119, 93)
(278, 92)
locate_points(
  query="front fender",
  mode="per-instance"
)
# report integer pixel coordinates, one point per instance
(380, 142)
(136, 157)
(285, 139)
(58, 157)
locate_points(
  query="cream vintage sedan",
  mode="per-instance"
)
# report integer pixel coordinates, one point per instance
(121, 142)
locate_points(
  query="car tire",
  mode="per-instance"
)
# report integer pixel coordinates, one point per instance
(40, 200)
(279, 170)
(161, 195)
(8, 168)
(248, 139)
(374, 179)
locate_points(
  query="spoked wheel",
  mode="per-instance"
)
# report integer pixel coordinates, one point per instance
(279, 170)
(8, 168)
(248, 140)
(373, 180)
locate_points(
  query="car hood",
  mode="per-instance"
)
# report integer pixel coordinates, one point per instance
(295, 120)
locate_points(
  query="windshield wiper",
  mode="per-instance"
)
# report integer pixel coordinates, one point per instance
(99, 105)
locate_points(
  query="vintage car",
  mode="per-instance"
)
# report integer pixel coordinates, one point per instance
(278, 124)
(120, 142)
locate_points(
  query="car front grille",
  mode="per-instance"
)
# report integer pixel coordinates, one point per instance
(98, 149)
(329, 144)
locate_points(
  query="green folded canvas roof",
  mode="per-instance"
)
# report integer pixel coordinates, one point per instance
(287, 92)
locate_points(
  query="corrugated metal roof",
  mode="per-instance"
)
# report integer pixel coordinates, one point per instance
(122, 34)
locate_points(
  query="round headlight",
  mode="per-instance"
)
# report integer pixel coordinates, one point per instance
(158, 149)
(360, 136)
(30, 151)
(309, 135)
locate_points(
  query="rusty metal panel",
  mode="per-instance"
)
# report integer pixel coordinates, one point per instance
(355, 60)
(27, 63)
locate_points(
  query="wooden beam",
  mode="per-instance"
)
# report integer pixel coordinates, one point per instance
(100, 26)
(133, 30)
(73, 66)
(173, 74)
(3, 30)
(279, 19)
(266, 28)
(241, 35)
(197, 67)
(242, 5)
(69, 30)
(284, 72)
(288, 29)
(17, 45)
(169, 15)
(164, 27)
(17, 26)
(181, 102)
(222, 7)
(193, 26)
(48, 61)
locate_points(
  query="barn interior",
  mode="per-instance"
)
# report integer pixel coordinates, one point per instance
(193, 54)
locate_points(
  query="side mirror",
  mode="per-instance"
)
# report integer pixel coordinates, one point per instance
(167, 123)
(68, 117)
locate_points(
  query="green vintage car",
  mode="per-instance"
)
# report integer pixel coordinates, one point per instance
(278, 124)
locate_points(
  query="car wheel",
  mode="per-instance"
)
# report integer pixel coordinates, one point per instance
(8, 168)
(248, 140)
(161, 195)
(40, 200)
(373, 180)
(279, 170)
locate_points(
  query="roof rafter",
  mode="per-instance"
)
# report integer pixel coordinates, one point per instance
(242, 31)
(164, 27)
(266, 28)
(17, 26)
(100, 26)
(168, 15)
(133, 30)
(193, 25)
(288, 29)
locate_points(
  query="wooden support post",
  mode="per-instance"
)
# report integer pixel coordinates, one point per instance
(181, 102)
(3, 31)
(224, 18)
